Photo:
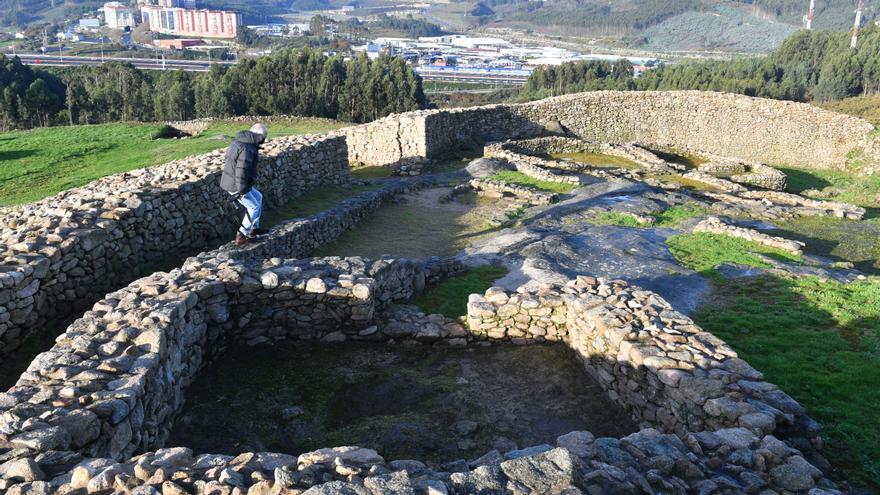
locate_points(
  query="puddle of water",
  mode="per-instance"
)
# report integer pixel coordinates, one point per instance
(418, 226)
(407, 402)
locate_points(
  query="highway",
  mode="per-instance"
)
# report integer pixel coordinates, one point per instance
(140, 63)
(441, 74)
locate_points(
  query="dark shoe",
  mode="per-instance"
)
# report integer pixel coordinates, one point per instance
(256, 232)
(241, 239)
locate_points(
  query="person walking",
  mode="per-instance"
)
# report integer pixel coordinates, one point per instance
(239, 176)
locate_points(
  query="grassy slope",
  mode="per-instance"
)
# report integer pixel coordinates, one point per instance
(777, 322)
(723, 28)
(41, 162)
(820, 342)
(866, 107)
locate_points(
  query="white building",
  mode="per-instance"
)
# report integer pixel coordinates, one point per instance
(118, 16)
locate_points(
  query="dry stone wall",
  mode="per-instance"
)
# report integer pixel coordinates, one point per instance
(112, 384)
(653, 360)
(715, 225)
(61, 254)
(769, 131)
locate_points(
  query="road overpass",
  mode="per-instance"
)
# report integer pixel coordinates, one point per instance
(141, 63)
(476, 75)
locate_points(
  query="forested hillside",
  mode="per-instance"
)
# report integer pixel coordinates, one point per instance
(734, 25)
(289, 82)
(810, 65)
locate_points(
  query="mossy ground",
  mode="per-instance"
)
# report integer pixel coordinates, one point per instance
(41, 162)
(376, 172)
(670, 217)
(597, 160)
(837, 238)
(314, 202)
(403, 401)
(449, 297)
(521, 179)
(417, 227)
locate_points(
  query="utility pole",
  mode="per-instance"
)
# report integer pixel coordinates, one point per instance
(810, 14)
(856, 24)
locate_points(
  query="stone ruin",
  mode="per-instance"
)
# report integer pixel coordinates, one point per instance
(91, 414)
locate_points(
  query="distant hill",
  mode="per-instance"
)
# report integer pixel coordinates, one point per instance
(661, 25)
(722, 28)
(23, 12)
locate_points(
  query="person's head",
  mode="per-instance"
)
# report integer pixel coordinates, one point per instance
(261, 131)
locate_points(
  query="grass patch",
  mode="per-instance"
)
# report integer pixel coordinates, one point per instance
(521, 179)
(450, 296)
(615, 218)
(378, 172)
(597, 160)
(671, 217)
(820, 342)
(702, 251)
(38, 163)
(313, 202)
(675, 215)
(836, 185)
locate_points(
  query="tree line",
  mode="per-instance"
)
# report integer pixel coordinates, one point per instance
(808, 66)
(288, 82)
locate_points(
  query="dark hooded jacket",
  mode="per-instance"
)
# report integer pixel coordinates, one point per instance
(240, 167)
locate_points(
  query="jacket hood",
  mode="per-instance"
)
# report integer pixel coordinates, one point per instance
(248, 137)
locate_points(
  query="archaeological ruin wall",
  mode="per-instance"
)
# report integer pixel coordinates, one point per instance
(654, 361)
(63, 253)
(769, 131)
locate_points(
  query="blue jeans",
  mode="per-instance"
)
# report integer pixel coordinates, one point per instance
(253, 203)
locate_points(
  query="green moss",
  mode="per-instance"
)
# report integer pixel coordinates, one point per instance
(837, 238)
(671, 217)
(449, 297)
(371, 172)
(820, 342)
(41, 162)
(615, 218)
(413, 229)
(313, 203)
(703, 251)
(675, 215)
(521, 179)
(597, 160)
